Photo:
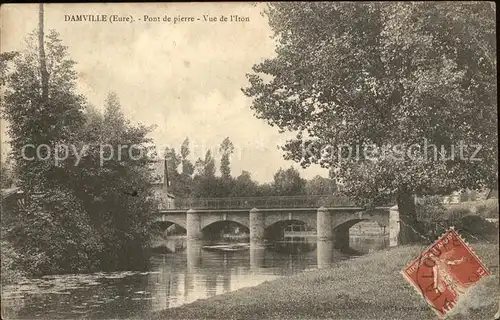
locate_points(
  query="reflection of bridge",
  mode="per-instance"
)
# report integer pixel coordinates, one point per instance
(332, 217)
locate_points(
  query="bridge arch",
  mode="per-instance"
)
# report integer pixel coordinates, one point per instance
(207, 220)
(349, 219)
(279, 217)
(179, 220)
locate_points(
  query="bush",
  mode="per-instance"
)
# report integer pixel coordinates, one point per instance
(476, 228)
(488, 208)
(435, 218)
(10, 270)
(430, 208)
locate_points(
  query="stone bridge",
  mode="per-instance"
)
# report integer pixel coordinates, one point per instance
(332, 221)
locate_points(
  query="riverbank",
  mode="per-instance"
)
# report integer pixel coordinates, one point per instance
(369, 287)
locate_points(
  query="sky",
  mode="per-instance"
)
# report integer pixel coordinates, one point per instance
(185, 78)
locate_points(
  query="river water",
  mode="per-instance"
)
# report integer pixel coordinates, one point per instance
(174, 279)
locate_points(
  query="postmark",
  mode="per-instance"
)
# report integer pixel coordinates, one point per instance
(445, 271)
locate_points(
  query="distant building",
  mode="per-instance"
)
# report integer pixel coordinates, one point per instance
(161, 185)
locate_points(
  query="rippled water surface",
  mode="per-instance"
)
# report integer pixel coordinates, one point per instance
(174, 279)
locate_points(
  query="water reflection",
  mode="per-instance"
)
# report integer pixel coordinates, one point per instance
(174, 279)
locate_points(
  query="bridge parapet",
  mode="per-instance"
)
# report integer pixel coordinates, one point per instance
(263, 202)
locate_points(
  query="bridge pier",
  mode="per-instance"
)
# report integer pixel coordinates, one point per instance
(324, 225)
(193, 253)
(193, 225)
(256, 257)
(325, 240)
(394, 226)
(257, 227)
(324, 253)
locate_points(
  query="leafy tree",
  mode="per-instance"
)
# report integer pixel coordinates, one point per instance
(265, 190)
(320, 186)
(6, 176)
(205, 183)
(5, 58)
(385, 75)
(244, 186)
(288, 182)
(199, 167)
(37, 120)
(209, 165)
(80, 213)
(117, 192)
(51, 233)
(226, 149)
(114, 121)
(173, 160)
(178, 184)
(187, 166)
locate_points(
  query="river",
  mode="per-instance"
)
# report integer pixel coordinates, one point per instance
(174, 279)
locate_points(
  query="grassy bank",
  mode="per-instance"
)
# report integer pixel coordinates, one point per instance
(370, 287)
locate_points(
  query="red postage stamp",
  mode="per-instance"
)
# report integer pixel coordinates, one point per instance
(445, 271)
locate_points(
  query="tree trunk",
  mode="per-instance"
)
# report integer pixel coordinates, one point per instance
(43, 63)
(409, 227)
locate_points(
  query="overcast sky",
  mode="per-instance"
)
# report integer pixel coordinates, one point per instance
(186, 78)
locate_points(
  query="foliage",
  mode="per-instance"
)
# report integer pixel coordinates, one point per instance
(488, 208)
(88, 211)
(52, 234)
(435, 219)
(117, 194)
(206, 184)
(187, 166)
(321, 186)
(226, 149)
(35, 122)
(244, 186)
(288, 182)
(6, 176)
(11, 273)
(385, 75)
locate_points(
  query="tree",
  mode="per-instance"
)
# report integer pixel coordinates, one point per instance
(288, 182)
(320, 186)
(384, 76)
(209, 165)
(176, 185)
(115, 190)
(244, 186)
(6, 178)
(205, 183)
(114, 120)
(5, 58)
(265, 190)
(52, 233)
(226, 149)
(187, 166)
(173, 162)
(36, 120)
(80, 213)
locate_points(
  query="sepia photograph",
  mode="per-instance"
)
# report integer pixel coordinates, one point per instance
(249, 160)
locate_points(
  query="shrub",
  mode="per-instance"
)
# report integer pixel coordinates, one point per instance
(10, 270)
(488, 208)
(476, 228)
(435, 218)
